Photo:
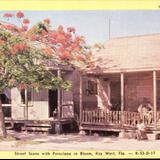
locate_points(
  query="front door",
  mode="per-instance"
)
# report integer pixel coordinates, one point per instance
(53, 98)
(115, 95)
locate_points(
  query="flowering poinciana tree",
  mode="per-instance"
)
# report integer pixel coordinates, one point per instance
(25, 54)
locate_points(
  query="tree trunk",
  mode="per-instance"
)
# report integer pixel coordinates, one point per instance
(3, 132)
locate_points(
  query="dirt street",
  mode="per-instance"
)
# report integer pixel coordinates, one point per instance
(75, 142)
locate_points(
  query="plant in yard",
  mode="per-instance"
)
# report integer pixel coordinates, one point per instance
(26, 54)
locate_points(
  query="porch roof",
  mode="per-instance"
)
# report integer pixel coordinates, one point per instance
(126, 54)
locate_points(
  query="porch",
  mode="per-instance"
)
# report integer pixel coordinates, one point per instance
(129, 88)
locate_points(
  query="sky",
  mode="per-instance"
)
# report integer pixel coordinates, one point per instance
(94, 25)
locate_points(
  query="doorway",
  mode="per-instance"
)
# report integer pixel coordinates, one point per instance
(115, 95)
(53, 98)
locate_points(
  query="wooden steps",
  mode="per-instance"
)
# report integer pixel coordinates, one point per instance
(48, 126)
(36, 127)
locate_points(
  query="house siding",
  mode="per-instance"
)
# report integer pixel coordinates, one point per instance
(135, 91)
(38, 107)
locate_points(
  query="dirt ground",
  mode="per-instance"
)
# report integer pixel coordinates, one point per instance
(25, 141)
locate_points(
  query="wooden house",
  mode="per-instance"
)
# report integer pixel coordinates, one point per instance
(104, 99)
(128, 70)
(46, 108)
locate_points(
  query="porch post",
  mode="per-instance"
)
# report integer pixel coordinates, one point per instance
(80, 99)
(122, 98)
(155, 99)
(59, 97)
(26, 105)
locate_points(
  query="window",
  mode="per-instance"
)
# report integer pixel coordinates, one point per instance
(5, 99)
(91, 87)
(29, 96)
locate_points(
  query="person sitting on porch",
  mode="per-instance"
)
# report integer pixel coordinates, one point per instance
(145, 109)
(141, 130)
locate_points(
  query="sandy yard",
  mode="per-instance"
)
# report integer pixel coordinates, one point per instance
(75, 142)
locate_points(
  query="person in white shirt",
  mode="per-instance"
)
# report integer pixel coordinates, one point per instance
(146, 109)
(141, 130)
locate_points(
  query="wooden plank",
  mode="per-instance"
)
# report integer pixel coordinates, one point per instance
(35, 129)
(93, 116)
(105, 117)
(38, 125)
(116, 117)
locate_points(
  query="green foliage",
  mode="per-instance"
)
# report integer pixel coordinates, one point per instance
(22, 64)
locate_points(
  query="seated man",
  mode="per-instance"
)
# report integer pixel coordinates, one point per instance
(145, 109)
(141, 130)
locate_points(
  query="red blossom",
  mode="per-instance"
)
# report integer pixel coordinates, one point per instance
(20, 14)
(68, 42)
(23, 28)
(26, 21)
(8, 15)
(71, 29)
(48, 51)
(81, 58)
(43, 33)
(60, 29)
(33, 37)
(74, 45)
(54, 35)
(47, 21)
(9, 27)
(66, 56)
(53, 41)
(18, 48)
(76, 49)
(68, 35)
(61, 38)
(78, 39)
(61, 49)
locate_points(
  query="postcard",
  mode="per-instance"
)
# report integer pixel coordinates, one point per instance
(79, 79)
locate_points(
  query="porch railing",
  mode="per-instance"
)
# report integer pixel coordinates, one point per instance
(131, 118)
(101, 117)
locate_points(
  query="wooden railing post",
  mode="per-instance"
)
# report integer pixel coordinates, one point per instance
(26, 105)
